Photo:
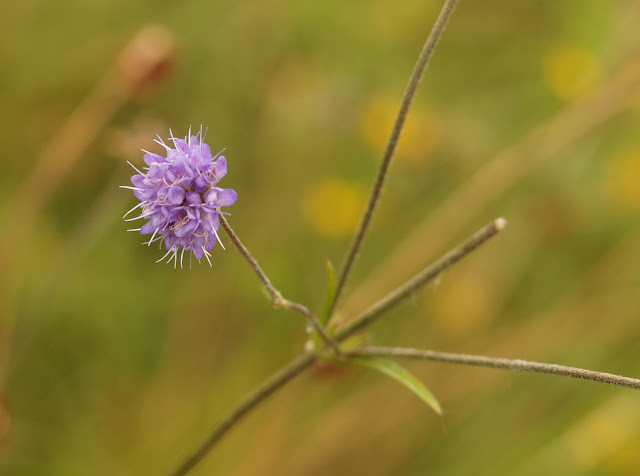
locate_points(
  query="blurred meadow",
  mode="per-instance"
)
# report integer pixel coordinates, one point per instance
(112, 364)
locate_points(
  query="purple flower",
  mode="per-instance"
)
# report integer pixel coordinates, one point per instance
(179, 197)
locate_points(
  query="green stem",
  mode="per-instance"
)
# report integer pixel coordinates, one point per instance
(276, 381)
(421, 279)
(418, 71)
(276, 296)
(498, 363)
(303, 362)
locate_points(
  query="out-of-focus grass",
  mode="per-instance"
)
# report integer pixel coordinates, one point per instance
(121, 366)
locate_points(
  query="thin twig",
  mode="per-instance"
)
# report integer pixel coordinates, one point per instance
(498, 363)
(548, 141)
(276, 381)
(276, 296)
(421, 279)
(297, 366)
(407, 99)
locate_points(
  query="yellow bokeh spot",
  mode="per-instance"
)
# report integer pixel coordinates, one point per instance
(571, 71)
(621, 178)
(419, 137)
(333, 207)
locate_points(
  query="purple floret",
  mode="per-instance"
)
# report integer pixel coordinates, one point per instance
(179, 197)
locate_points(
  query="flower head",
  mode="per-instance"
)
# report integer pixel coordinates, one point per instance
(179, 197)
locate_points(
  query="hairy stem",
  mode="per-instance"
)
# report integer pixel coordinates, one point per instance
(276, 296)
(421, 279)
(498, 363)
(407, 99)
(546, 142)
(301, 363)
(276, 381)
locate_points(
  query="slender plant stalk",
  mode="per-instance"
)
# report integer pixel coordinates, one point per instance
(498, 363)
(276, 296)
(425, 276)
(275, 382)
(301, 363)
(546, 142)
(407, 99)
(305, 361)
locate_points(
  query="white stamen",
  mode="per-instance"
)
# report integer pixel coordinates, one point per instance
(216, 233)
(134, 167)
(138, 205)
(175, 259)
(216, 156)
(206, 255)
(138, 217)
(190, 256)
(151, 153)
(173, 138)
(152, 237)
(148, 243)
(181, 256)
(161, 142)
(165, 255)
(135, 229)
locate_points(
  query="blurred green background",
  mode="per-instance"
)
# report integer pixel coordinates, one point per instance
(112, 364)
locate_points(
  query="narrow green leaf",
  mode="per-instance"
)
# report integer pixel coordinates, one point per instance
(402, 375)
(316, 341)
(331, 291)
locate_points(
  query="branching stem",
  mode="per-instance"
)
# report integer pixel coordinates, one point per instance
(301, 363)
(305, 361)
(425, 276)
(276, 296)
